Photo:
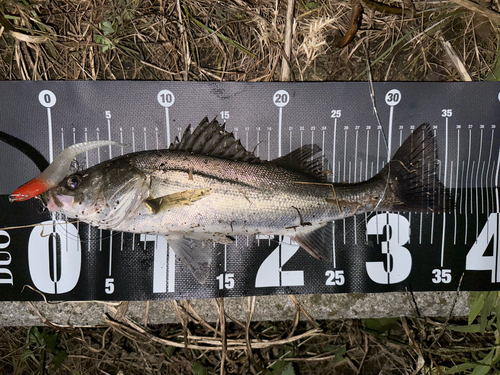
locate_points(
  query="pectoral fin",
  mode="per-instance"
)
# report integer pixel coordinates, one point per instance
(181, 198)
(196, 255)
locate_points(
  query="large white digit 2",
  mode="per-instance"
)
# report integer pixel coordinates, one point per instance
(398, 265)
(45, 277)
(270, 272)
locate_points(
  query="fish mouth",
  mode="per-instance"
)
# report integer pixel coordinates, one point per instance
(55, 202)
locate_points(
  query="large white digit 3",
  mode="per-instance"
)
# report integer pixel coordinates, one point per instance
(48, 280)
(398, 265)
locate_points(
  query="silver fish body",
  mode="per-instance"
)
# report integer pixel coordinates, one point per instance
(208, 187)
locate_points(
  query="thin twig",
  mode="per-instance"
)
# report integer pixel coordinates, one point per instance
(285, 64)
(493, 16)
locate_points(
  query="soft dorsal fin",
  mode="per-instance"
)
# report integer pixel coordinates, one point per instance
(210, 138)
(303, 160)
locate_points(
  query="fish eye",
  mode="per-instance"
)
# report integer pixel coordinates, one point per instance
(73, 181)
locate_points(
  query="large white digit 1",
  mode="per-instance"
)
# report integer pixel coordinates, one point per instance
(270, 270)
(476, 260)
(45, 278)
(161, 267)
(399, 262)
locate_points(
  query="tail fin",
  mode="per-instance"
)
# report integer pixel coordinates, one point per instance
(412, 180)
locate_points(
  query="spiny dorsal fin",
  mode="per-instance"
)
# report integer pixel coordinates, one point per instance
(210, 138)
(303, 160)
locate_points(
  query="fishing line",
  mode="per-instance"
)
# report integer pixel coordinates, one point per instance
(384, 136)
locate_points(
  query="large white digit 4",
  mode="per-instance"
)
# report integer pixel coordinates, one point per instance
(66, 238)
(398, 265)
(270, 273)
(476, 260)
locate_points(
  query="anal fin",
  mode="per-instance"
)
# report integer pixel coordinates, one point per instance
(194, 254)
(317, 242)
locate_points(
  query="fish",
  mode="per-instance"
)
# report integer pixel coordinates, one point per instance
(207, 188)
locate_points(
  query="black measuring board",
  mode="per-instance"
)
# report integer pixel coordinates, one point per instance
(375, 252)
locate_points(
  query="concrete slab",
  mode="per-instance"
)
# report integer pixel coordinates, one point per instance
(274, 308)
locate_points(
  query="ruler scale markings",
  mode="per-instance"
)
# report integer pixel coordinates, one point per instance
(167, 121)
(312, 139)
(356, 153)
(98, 161)
(145, 148)
(257, 148)
(323, 129)
(446, 140)
(344, 170)
(247, 129)
(280, 123)
(400, 142)
(429, 168)
(389, 137)
(496, 237)
(493, 182)
(472, 186)
(366, 174)
(334, 144)
(481, 129)
(458, 164)
(48, 99)
(379, 131)
(454, 211)
(464, 188)
(467, 187)
(389, 154)
(109, 137)
(85, 132)
(51, 142)
(333, 180)
(121, 153)
(483, 186)
(269, 144)
(488, 169)
(477, 203)
(133, 150)
(78, 243)
(108, 116)
(356, 128)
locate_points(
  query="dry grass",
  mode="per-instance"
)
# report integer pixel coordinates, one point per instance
(245, 41)
(386, 346)
(238, 40)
